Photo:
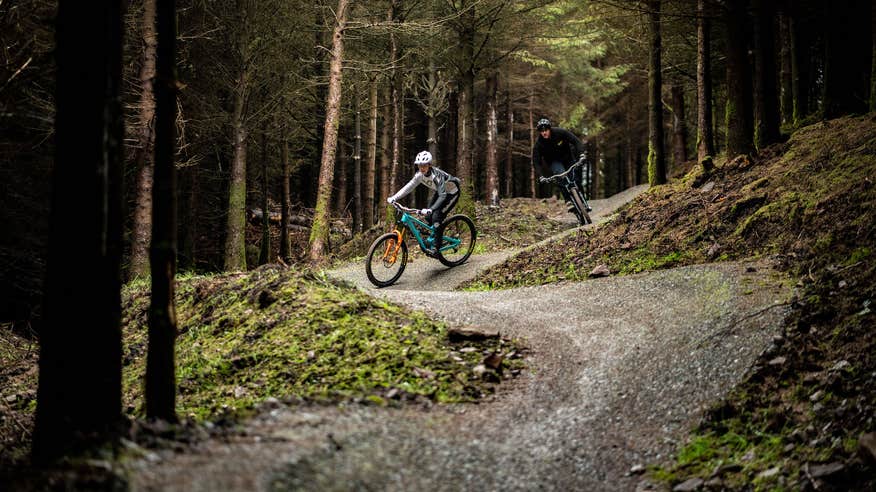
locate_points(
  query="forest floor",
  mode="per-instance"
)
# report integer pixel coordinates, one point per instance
(730, 346)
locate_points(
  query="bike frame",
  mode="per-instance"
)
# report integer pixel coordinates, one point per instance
(410, 223)
(570, 184)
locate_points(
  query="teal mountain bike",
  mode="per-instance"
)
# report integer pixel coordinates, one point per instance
(451, 242)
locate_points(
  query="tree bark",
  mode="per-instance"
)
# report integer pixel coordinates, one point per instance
(873, 56)
(160, 361)
(705, 138)
(656, 159)
(371, 164)
(385, 156)
(492, 167)
(144, 157)
(509, 143)
(679, 127)
(285, 246)
(738, 114)
(465, 119)
(80, 370)
(766, 103)
(265, 249)
(235, 240)
(846, 66)
(786, 78)
(357, 171)
(319, 233)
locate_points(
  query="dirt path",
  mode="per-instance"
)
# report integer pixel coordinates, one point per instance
(620, 368)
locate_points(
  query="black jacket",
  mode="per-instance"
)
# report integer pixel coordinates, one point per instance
(563, 146)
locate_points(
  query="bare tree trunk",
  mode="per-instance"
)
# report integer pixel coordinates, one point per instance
(656, 159)
(631, 147)
(371, 164)
(872, 104)
(492, 168)
(80, 372)
(235, 240)
(738, 114)
(679, 127)
(465, 120)
(144, 158)
(319, 233)
(285, 247)
(357, 171)
(160, 361)
(265, 250)
(786, 78)
(385, 157)
(766, 103)
(705, 139)
(509, 143)
(533, 190)
(396, 100)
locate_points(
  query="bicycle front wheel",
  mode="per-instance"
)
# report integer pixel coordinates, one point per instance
(580, 208)
(386, 260)
(456, 240)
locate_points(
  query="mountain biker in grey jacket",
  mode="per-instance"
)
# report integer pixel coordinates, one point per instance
(555, 150)
(445, 186)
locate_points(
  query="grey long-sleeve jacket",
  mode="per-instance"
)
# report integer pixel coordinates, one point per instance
(440, 181)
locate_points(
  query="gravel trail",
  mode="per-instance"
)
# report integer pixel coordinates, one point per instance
(619, 369)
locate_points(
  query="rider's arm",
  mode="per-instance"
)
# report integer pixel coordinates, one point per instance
(406, 189)
(537, 161)
(578, 147)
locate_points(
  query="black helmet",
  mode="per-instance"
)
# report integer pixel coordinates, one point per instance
(543, 124)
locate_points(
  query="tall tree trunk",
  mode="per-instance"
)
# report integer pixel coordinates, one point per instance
(533, 189)
(465, 119)
(595, 180)
(679, 127)
(873, 56)
(492, 169)
(509, 143)
(385, 154)
(397, 102)
(285, 246)
(357, 171)
(800, 64)
(766, 103)
(705, 138)
(656, 158)
(631, 149)
(265, 249)
(235, 240)
(786, 78)
(160, 365)
(80, 371)
(319, 233)
(738, 114)
(371, 163)
(144, 157)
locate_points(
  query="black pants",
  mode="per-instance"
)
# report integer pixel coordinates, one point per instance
(438, 215)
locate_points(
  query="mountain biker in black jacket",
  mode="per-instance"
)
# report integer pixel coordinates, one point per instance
(555, 150)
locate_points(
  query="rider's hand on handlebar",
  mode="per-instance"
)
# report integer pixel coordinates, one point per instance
(426, 211)
(542, 179)
(390, 200)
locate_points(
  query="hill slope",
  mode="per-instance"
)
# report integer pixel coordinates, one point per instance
(811, 204)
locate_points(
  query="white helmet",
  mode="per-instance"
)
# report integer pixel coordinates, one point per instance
(423, 158)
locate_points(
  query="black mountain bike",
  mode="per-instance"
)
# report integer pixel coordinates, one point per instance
(579, 205)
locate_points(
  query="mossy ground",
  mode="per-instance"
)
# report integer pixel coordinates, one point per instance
(278, 333)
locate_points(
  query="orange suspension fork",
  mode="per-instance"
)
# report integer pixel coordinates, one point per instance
(391, 252)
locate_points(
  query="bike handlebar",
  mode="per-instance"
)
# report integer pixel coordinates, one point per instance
(563, 174)
(402, 208)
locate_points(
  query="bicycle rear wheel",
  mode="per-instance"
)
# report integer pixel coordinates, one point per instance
(580, 208)
(386, 260)
(456, 240)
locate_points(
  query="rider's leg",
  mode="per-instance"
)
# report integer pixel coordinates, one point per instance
(557, 167)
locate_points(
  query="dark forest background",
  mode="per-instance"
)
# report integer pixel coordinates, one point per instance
(253, 78)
